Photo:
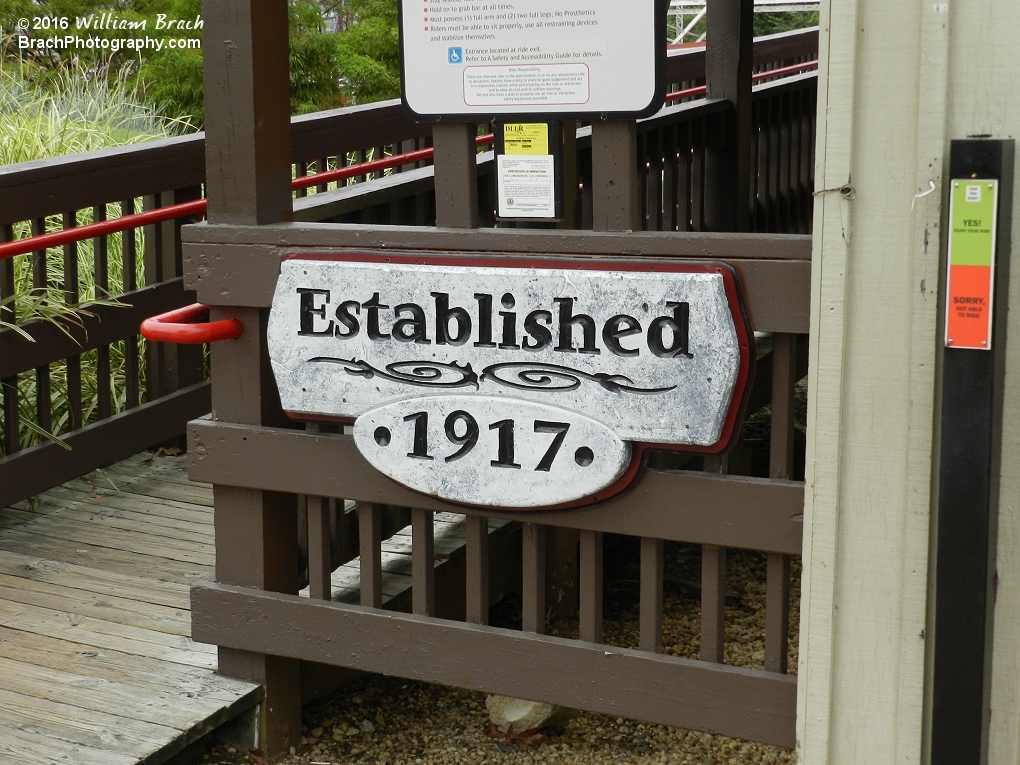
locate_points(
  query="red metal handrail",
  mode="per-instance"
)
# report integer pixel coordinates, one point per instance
(180, 326)
(198, 207)
(783, 71)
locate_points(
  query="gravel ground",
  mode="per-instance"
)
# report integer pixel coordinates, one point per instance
(388, 721)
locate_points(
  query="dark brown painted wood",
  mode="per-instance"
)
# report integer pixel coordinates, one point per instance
(617, 681)
(248, 155)
(247, 111)
(777, 292)
(101, 325)
(651, 595)
(777, 585)
(40, 282)
(423, 563)
(29, 191)
(777, 612)
(72, 379)
(8, 382)
(590, 556)
(456, 175)
(728, 64)
(320, 565)
(477, 571)
(713, 602)
(41, 467)
(570, 179)
(749, 513)
(615, 182)
(533, 578)
(101, 290)
(369, 545)
(561, 573)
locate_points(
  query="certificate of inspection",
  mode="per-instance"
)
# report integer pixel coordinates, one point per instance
(532, 57)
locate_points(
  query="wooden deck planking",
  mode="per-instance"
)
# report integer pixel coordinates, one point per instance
(96, 661)
(97, 666)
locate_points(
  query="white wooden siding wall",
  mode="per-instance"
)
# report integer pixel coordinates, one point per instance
(898, 81)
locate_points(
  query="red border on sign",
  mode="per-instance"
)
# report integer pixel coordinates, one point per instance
(734, 297)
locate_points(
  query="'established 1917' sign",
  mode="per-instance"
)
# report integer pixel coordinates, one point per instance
(490, 381)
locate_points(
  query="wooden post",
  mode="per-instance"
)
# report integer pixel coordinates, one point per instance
(616, 198)
(248, 182)
(456, 175)
(728, 58)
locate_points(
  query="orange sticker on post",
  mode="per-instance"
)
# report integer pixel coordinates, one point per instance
(970, 277)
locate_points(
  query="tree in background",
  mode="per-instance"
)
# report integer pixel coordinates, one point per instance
(358, 63)
(773, 23)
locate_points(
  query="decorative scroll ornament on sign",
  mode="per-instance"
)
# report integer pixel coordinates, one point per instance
(494, 382)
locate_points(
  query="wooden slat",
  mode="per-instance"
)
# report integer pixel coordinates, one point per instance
(713, 602)
(533, 578)
(34, 470)
(734, 701)
(40, 282)
(8, 381)
(72, 378)
(72, 578)
(163, 517)
(81, 553)
(145, 703)
(178, 536)
(112, 666)
(749, 513)
(651, 595)
(591, 543)
(423, 556)
(45, 750)
(116, 610)
(110, 733)
(319, 559)
(477, 569)
(95, 632)
(101, 325)
(777, 584)
(88, 533)
(370, 541)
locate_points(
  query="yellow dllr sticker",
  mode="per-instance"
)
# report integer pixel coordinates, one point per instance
(526, 138)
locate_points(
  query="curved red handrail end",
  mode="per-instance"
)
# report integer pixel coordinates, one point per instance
(179, 326)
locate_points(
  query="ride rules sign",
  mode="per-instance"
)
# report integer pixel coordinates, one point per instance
(492, 381)
(471, 58)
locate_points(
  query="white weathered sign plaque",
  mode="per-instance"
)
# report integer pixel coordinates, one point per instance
(463, 58)
(485, 450)
(426, 354)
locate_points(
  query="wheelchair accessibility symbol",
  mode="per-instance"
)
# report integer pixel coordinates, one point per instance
(455, 55)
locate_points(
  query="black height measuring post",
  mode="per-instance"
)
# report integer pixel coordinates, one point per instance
(976, 280)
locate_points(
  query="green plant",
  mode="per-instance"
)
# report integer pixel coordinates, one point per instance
(73, 113)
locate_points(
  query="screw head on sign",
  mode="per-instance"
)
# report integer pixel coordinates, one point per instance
(984, 342)
(949, 341)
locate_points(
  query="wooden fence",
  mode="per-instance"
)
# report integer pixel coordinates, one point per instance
(259, 465)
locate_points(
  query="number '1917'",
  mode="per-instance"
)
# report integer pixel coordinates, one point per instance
(462, 431)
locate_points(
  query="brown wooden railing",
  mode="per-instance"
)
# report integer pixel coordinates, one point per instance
(142, 393)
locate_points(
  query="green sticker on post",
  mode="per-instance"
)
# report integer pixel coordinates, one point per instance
(971, 273)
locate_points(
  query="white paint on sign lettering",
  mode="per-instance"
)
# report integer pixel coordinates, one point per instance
(491, 451)
(527, 186)
(655, 356)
